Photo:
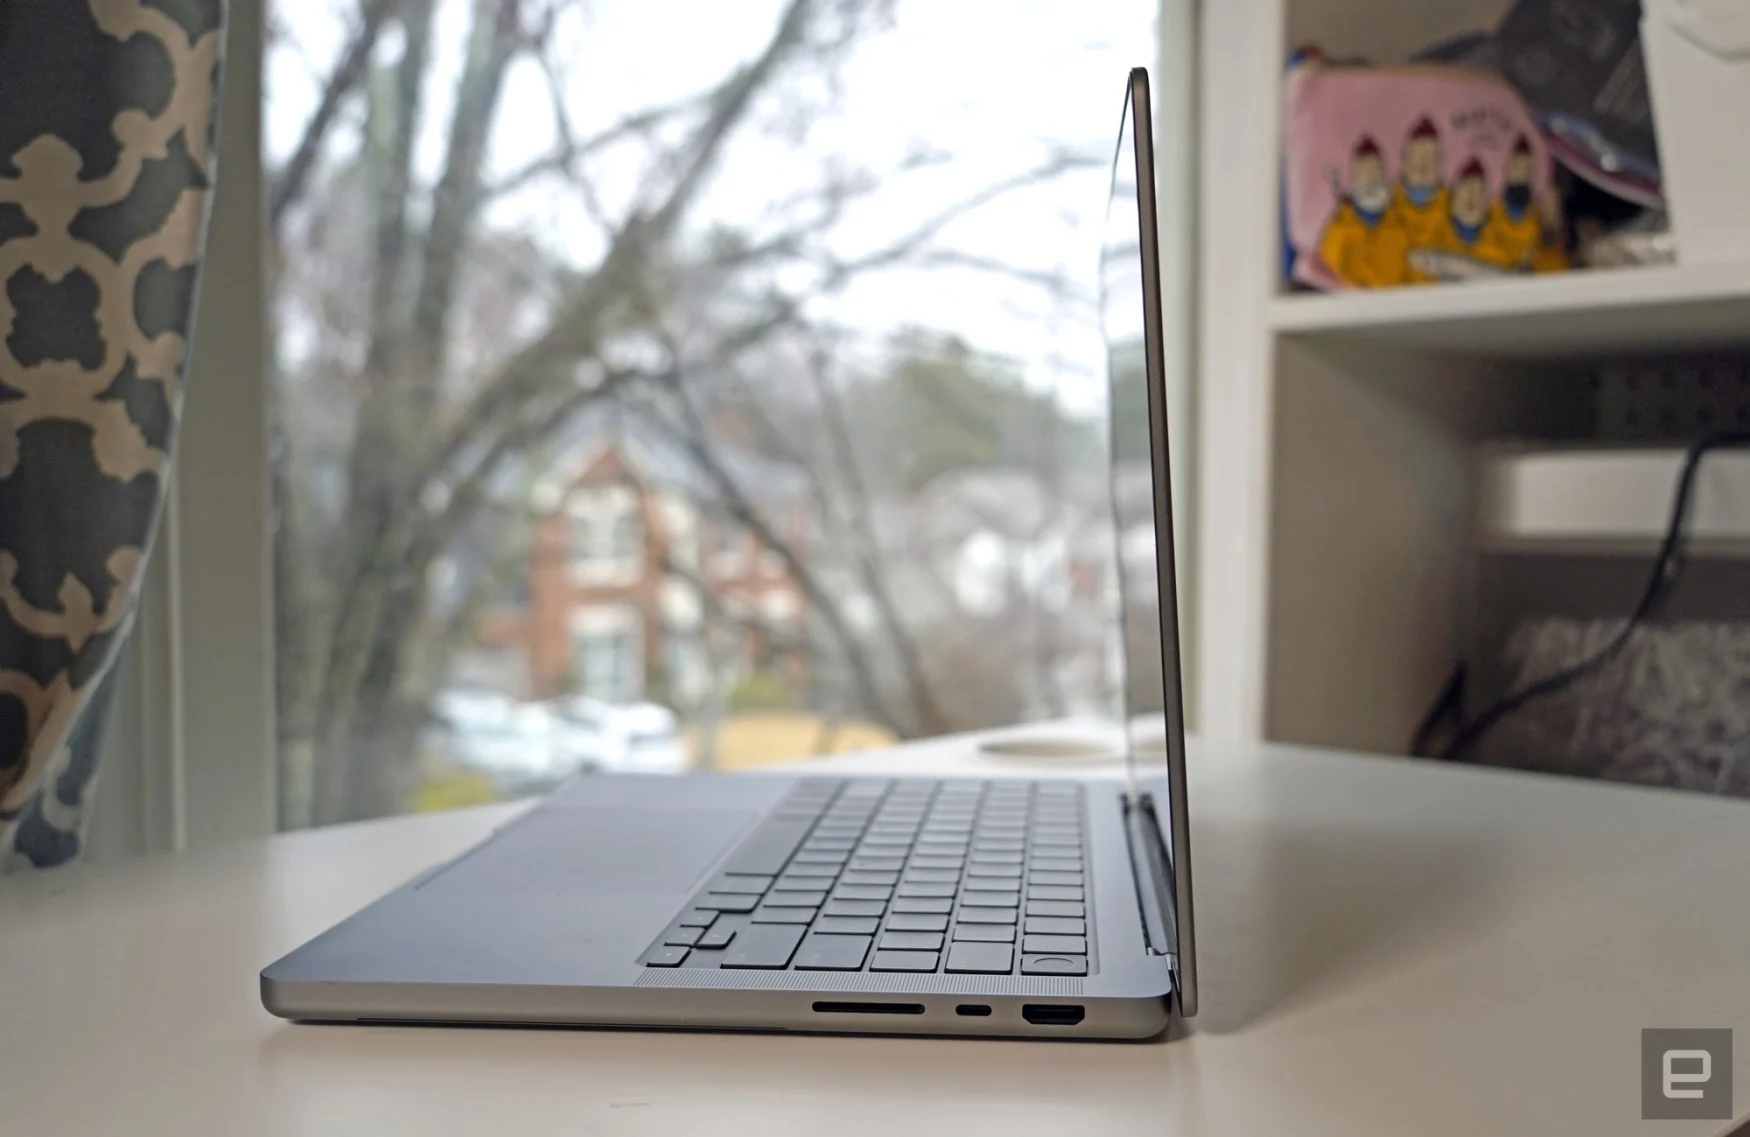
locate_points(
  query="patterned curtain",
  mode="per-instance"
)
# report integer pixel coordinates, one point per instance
(106, 133)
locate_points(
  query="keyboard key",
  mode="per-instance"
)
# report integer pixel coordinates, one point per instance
(886, 879)
(923, 904)
(821, 952)
(683, 936)
(781, 899)
(670, 957)
(727, 902)
(1055, 864)
(1051, 892)
(720, 936)
(1073, 878)
(742, 884)
(937, 862)
(807, 858)
(1055, 945)
(932, 876)
(981, 959)
(784, 915)
(861, 892)
(764, 946)
(831, 845)
(987, 915)
(1054, 965)
(1054, 908)
(768, 847)
(911, 941)
(807, 876)
(996, 845)
(877, 864)
(847, 925)
(989, 899)
(855, 908)
(1055, 925)
(994, 883)
(698, 918)
(986, 933)
(909, 889)
(917, 922)
(996, 858)
(903, 961)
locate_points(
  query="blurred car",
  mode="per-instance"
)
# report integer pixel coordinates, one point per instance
(485, 731)
(527, 747)
(609, 738)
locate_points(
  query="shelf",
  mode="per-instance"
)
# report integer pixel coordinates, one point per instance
(1567, 314)
(1602, 495)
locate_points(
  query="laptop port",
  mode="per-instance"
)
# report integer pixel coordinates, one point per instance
(972, 1010)
(1053, 1014)
(826, 1008)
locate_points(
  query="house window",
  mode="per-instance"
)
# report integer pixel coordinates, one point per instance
(607, 650)
(607, 536)
(626, 537)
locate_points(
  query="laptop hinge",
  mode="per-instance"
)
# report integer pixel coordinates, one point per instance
(1151, 871)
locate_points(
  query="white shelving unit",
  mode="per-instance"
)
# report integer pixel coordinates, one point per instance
(1339, 435)
(1548, 317)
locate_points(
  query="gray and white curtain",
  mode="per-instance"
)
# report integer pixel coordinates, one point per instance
(107, 112)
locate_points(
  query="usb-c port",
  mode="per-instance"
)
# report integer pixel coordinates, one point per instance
(972, 1010)
(1053, 1014)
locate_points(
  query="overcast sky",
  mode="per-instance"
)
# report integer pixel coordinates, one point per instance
(996, 83)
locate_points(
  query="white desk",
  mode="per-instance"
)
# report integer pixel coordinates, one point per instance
(1387, 948)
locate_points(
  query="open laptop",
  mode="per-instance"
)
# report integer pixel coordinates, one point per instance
(1048, 908)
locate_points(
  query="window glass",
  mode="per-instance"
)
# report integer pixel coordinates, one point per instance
(687, 385)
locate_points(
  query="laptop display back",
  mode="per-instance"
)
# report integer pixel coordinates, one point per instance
(1142, 505)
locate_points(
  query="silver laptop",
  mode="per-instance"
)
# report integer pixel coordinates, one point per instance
(1047, 908)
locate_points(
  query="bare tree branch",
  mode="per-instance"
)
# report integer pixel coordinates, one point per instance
(931, 718)
(576, 330)
(571, 151)
(455, 205)
(1052, 283)
(354, 58)
(740, 506)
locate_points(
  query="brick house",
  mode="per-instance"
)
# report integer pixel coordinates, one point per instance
(639, 581)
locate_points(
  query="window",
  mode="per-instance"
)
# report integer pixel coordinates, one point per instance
(607, 536)
(608, 655)
(832, 343)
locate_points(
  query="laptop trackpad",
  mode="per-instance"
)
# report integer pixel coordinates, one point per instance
(582, 851)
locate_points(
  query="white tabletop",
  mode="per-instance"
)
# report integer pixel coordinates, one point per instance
(1387, 947)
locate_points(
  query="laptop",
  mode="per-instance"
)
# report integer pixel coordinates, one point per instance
(1047, 908)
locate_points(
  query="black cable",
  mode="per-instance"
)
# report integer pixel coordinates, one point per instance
(1665, 570)
(1448, 708)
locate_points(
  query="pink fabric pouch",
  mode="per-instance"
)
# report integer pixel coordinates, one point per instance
(1413, 174)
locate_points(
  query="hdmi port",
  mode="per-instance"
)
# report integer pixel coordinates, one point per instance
(1053, 1014)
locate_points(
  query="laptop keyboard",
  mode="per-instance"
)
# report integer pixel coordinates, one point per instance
(955, 877)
